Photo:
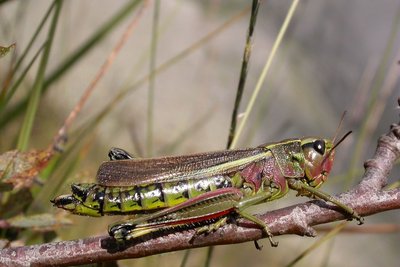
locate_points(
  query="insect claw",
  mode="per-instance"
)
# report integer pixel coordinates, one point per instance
(273, 243)
(360, 220)
(258, 246)
(269, 234)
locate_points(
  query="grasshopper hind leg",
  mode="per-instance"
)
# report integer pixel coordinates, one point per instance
(206, 213)
(205, 210)
(125, 231)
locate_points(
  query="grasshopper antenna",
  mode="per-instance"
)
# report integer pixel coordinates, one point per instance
(339, 126)
(341, 140)
(336, 145)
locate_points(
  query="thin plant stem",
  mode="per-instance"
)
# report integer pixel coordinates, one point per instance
(210, 252)
(376, 89)
(244, 70)
(185, 258)
(315, 245)
(328, 252)
(239, 93)
(264, 72)
(150, 100)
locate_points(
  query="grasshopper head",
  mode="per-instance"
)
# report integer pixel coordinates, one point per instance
(319, 155)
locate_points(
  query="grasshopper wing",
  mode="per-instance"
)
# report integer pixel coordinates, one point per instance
(176, 168)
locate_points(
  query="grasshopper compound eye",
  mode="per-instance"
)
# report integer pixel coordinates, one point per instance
(319, 146)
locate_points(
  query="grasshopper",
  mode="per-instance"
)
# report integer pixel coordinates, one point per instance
(204, 190)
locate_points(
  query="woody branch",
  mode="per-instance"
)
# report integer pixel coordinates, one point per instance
(367, 198)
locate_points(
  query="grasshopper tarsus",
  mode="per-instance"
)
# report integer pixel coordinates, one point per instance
(270, 237)
(258, 246)
(273, 242)
(360, 220)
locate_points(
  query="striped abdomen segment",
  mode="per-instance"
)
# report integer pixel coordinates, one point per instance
(142, 198)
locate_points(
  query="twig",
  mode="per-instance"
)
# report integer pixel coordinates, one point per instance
(60, 137)
(296, 219)
(367, 198)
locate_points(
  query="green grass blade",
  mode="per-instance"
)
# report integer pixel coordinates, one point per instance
(34, 36)
(33, 104)
(72, 59)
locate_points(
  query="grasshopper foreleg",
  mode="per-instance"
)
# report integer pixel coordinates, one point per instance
(250, 201)
(301, 188)
(116, 153)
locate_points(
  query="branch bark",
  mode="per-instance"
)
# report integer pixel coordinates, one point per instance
(367, 198)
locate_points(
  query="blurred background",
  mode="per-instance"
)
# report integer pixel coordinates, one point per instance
(336, 56)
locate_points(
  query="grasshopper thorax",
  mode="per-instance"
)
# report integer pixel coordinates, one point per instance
(319, 157)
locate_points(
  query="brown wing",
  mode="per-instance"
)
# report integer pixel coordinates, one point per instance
(166, 169)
